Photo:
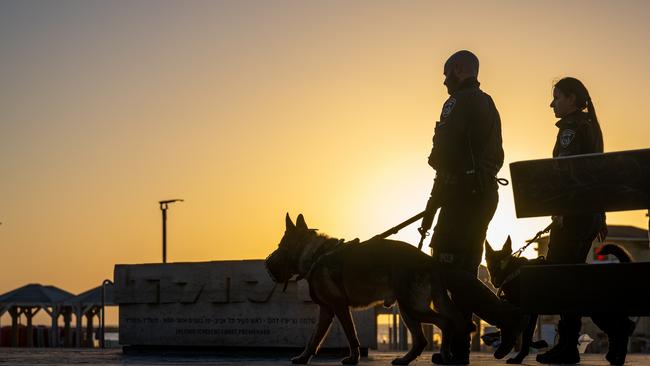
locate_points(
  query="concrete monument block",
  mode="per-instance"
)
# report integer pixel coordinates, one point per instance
(221, 304)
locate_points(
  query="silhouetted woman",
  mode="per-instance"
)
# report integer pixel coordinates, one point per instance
(572, 235)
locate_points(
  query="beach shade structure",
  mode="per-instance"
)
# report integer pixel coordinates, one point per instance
(29, 300)
(87, 304)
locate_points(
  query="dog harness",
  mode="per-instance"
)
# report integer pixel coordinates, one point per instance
(324, 253)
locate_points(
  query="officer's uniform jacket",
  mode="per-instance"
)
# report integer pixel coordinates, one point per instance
(467, 143)
(577, 134)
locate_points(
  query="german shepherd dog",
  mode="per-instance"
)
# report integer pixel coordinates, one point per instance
(504, 271)
(356, 275)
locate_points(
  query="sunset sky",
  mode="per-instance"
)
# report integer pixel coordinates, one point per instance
(251, 109)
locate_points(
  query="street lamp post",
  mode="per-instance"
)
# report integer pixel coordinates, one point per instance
(163, 208)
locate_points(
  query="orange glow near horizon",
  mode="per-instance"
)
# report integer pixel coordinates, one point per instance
(251, 110)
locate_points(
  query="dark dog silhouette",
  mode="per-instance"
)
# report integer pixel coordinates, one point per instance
(355, 275)
(504, 274)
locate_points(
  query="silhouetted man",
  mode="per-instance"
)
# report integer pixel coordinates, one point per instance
(467, 153)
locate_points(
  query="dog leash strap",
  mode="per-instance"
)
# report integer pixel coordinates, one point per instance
(540, 233)
(399, 227)
(531, 241)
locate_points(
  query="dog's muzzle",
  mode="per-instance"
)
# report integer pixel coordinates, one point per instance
(277, 266)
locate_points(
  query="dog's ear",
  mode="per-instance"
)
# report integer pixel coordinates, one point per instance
(488, 248)
(508, 245)
(300, 222)
(290, 225)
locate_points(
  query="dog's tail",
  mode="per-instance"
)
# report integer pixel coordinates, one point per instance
(617, 251)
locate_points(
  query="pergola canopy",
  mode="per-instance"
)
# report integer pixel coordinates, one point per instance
(93, 297)
(34, 295)
(29, 299)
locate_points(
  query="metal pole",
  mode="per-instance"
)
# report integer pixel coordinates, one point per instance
(103, 324)
(163, 207)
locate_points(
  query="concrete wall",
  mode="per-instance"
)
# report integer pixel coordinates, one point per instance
(224, 303)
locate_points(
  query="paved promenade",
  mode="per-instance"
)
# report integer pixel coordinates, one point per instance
(44, 356)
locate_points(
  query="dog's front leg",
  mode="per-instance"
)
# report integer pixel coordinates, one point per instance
(324, 321)
(345, 317)
(526, 340)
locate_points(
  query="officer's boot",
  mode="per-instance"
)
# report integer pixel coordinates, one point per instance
(566, 350)
(459, 345)
(439, 360)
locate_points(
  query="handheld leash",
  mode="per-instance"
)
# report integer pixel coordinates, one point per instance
(530, 241)
(424, 230)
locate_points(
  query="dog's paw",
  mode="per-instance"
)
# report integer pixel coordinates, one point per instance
(302, 359)
(519, 358)
(350, 360)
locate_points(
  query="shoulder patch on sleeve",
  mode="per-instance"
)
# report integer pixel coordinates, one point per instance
(448, 107)
(566, 137)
